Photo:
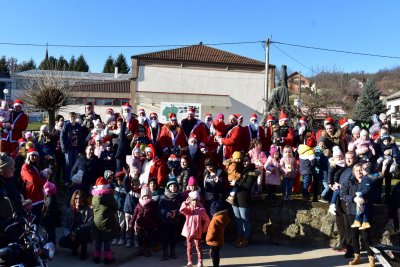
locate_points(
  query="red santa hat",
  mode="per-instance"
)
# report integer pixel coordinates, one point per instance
(343, 122)
(173, 157)
(141, 111)
(328, 120)
(18, 102)
(190, 111)
(303, 120)
(239, 116)
(283, 116)
(109, 110)
(233, 117)
(102, 183)
(32, 151)
(270, 118)
(253, 116)
(208, 115)
(126, 106)
(172, 116)
(153, 114)
(192, 137)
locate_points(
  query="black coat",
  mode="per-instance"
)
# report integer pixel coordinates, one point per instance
(246, 182)
(92, 169)
(170, 202)
(183, 177)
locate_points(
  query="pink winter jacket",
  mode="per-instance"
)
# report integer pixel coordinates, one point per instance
(258, 158)
(197, 221)
(272, 174)
(288, 167)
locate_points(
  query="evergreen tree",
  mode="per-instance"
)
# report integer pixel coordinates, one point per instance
(4, 71)
(369, 103)
(62, 64)
(81, 64)
(109, 65)
(72, 64)
(45, 65)
(120, 62)
(26, 65)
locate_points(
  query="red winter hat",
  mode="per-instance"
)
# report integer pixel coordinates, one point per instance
(120, 174)
(190, 111)
(283, 116)
(18, 102)
(192, 181)
(233, 117)
(328, 120)
(32, 151)
(208, 115)
(238, 116)
(220, 116)
(102, 183)
(303, 120)
(270, 118)
(173, 157)
(343, 122)
(253, 116)
(126, 106)
(172, 116)
(141, 111)
(153, 114)
(109, 110)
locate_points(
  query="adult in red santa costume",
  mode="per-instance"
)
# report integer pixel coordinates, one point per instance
(153, 167)
(194, 127)
(15, 126)
(232, 141)
(254, 131)
(171, 136)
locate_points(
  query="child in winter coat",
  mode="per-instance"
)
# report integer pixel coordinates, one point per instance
(363, 146)
(321, 169)
(196, 224)
(216, 230)
(135, 163)
(105, 222)
(288, 169)
(272, 175)
(258, 158)
(191, 187)
(336, 166)
(306, 167)
(120, 195)
(234, 168)
(390, 154)
(144, 218)
(168, 208)
(131, 200)
(51, 215)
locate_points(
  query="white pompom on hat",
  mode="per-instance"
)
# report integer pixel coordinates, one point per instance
(194, 195)
(336, 151)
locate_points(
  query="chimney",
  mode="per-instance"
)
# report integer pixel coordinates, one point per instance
(115, 72)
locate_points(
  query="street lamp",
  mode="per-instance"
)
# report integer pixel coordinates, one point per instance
(5, 92)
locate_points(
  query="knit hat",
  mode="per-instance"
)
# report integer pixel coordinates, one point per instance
(145, 191)
(273, 150)
(382, 116)
(356, 129)
(32, 151)
(336, 151)
(107, 174)
(364, 132)
(386, 137)
(343, 122)
(236, 155)
(192, 181)
(49, 188)
(28, 135)
(217, 206)
(194, 195)
(172, 181)
(220, 116)
(102, 183)
(283, 116)
(322, 139)
(46, 173)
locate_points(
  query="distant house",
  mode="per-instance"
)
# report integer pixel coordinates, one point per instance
(296, 81)
(393, 106)
(220, 81)
(102, 89)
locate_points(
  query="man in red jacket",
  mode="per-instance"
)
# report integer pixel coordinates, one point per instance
(192, 126)
(254, 131)
(232, 140)
(15, 126)
(153, 167)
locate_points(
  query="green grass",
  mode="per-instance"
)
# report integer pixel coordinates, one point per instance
(34, 126)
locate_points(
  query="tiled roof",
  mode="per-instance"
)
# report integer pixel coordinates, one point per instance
(114, 87)
(201, 54)
(74, 75)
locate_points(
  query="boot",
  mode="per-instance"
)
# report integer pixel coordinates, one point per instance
(230, 200)
(84, 255)
(356, 260)
(96, 256)
(108, 257)
(114, 241)
(164, 255)
(238, 240)
(371, 260)
(365, 225)
(356, 224)
(172, 253)
(243, 243)
(121, 241)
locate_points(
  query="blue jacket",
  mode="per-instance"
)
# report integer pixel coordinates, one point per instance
(348, 192)
(67, 136)
(120, 195)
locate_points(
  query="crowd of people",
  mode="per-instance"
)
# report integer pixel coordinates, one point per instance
(128, 176)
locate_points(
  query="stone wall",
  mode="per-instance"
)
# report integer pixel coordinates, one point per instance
(296, 223)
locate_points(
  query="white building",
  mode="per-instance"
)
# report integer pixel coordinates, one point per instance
(393, 106)
(217, 80)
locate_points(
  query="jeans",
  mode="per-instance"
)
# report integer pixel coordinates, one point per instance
(287, 185)
(335, 195)
(306, 183)
(242, 221)
(326, 189)
(70, 159)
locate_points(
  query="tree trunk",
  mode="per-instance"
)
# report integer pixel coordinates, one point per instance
(52, 118)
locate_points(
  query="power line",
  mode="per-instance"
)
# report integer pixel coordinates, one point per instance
(336, 50)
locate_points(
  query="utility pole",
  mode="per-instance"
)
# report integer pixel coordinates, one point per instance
(299, 85)
(266, 96)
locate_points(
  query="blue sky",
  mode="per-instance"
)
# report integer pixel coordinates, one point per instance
(359, 26)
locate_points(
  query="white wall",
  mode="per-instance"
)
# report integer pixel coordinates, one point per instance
(246, 89)
(392, 103)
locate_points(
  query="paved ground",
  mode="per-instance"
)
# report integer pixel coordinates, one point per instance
(252, 256)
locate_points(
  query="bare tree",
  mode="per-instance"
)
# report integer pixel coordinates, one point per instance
(46, 91)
